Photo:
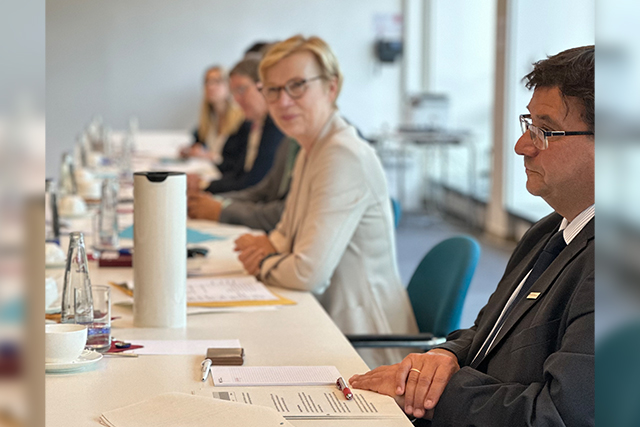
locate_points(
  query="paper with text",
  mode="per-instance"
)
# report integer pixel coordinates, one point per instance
(227, 289)
(311, 402)
(273, 375)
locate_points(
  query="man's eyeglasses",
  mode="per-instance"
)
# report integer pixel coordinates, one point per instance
(239, 90)
(295, 88)
(540, 136)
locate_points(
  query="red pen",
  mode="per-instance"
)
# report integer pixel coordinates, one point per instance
(342, 385)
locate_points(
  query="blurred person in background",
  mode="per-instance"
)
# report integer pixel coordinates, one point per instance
(249, 153)
(220, 117)
(259, 206)
(336, 235)
(529, 358)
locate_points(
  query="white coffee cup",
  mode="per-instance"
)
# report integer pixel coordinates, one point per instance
(83, 175)
(50, 291)
(90, 189)
(71, 205)
(64, 342)
(53, 255)
(94, 159)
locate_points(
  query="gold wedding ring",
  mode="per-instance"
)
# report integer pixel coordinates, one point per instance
(415, 370)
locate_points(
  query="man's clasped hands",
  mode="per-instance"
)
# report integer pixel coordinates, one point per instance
(416, 383)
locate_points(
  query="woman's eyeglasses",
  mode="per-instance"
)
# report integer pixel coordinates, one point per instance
(295, 88)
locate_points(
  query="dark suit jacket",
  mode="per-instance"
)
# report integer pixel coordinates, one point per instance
(540, 370)
(260, 206)
(234, 152)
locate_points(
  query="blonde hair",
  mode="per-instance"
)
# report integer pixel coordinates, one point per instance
(327, 61)
(229, 121)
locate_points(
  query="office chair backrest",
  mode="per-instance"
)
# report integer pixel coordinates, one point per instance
(439, 285)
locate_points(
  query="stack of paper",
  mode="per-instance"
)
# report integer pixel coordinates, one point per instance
(223, 292)
(230, 291)
(297, 392)
(177, 409)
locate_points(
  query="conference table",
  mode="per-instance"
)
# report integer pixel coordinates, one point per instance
(292, 335)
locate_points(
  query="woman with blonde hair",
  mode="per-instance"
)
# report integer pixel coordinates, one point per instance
(220, 117)
(336, 234)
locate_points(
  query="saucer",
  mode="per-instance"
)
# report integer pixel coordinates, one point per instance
(55, 265)
(88, 357)
(53, 309)
(77, 215)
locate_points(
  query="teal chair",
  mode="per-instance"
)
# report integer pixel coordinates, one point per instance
(437, 291)
(618, 376)
(397, 212)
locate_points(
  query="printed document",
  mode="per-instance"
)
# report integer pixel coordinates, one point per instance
(311, 402)
(227, 289)
(273, 375)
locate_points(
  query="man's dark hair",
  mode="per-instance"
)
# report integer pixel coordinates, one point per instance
(572, 71)
(257, 47)
(247, 67)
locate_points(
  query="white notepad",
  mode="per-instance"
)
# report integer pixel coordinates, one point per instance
(178, 409)
(175, 347)
(273, 375)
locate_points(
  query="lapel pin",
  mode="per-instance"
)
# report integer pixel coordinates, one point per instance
(533, 295)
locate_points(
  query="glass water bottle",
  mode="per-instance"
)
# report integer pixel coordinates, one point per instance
(52, 227)
(76, 276)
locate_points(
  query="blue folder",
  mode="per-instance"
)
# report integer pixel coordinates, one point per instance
(193, 236)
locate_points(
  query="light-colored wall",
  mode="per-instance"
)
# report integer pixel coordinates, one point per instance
(539, 29)
(120, 58)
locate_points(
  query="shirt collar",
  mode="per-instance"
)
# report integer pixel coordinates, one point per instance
(571, 229)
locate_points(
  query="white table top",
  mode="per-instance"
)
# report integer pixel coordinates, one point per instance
(301, 334)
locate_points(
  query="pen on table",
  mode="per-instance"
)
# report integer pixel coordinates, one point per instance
(342, 385)
(206, 364)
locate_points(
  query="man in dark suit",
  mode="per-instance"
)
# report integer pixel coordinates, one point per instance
(529, 358)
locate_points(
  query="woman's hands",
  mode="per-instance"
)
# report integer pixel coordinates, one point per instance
(252, 250)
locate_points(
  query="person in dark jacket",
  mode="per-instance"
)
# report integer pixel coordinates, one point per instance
(249, 153)
(529, 358)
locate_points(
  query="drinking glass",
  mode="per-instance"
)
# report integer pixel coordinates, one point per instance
(98, 330)
(126, 150)
(108, 215)
(68, 183)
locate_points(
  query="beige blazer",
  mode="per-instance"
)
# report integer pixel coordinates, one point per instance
(336, 237)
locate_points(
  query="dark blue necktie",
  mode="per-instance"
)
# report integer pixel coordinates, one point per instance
(550, 252)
